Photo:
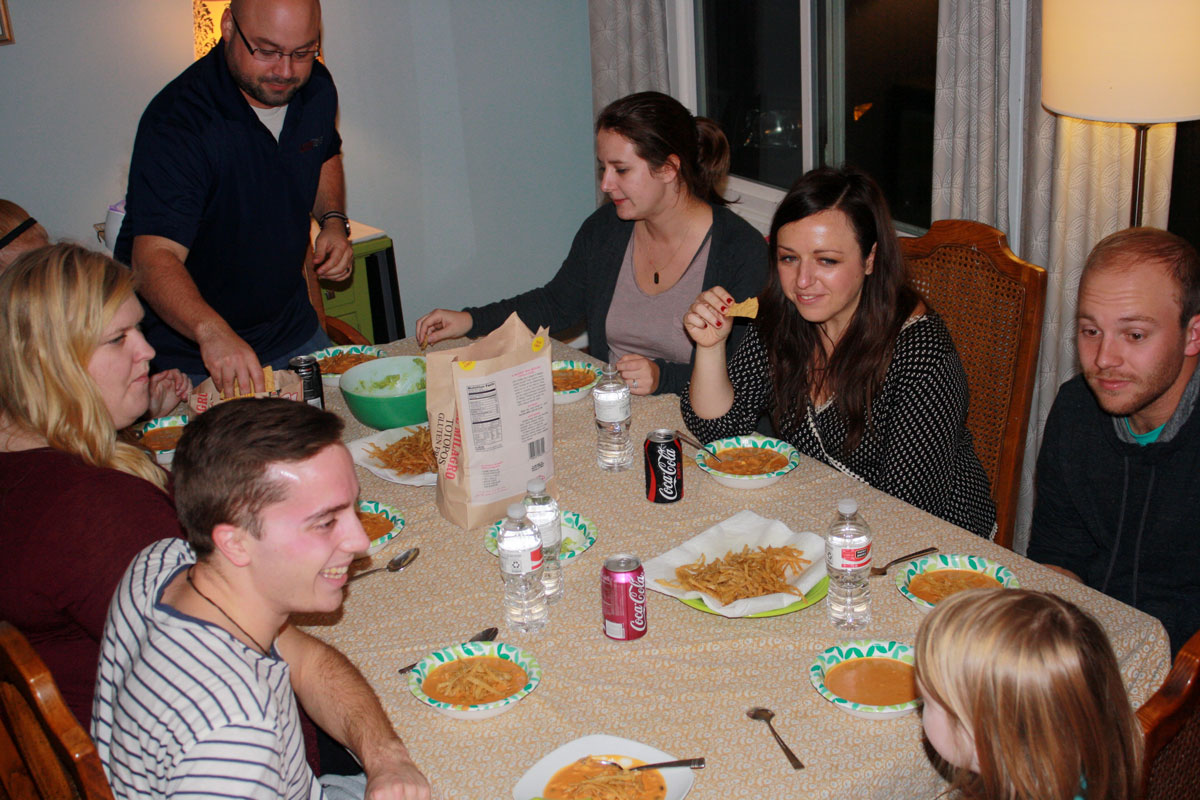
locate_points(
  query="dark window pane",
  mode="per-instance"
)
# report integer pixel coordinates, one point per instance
(1185, 183)
(749, 75)
(887, 112)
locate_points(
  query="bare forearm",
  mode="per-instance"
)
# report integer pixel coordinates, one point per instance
(710, 392)
(164, 282)
(331, 188)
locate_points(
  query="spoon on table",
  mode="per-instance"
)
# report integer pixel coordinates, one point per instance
(766, 715)
(693, 763)
(397, 563)
(883, 570)
(485, 635)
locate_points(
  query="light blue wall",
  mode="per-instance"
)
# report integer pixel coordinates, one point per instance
(466, 125)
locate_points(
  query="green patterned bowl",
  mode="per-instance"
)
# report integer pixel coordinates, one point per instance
(393, 514)
(861, 648)
(748, 481)
(952, 561)
(578, 534)
(164, 457)
(523, 658)
(571, 395)
(332, 378)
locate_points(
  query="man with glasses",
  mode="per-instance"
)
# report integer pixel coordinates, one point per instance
(230, 161)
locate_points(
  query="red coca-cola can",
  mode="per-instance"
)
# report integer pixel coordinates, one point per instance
(664, 466)
(623, 597)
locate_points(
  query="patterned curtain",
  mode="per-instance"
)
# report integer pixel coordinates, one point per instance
(971, 118)
(1076, 180)
(629, 49)
(1076, 190)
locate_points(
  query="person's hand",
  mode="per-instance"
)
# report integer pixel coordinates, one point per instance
(442, 324)
(399, 781)
(705, 322)
(333, 255)
(1064, 571)
(227, 357)
(639, 372)
(167, 389)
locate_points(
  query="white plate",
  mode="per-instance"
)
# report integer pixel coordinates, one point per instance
(579, 533)
(358, 450)
(679, 781)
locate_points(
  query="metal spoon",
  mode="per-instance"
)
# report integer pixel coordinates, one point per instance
(395, 565)
(766, 715)
(485, 635)
(683, 437)
(693, 763)
(883, 570)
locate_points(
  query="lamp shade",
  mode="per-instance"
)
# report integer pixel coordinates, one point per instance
(1135, 61)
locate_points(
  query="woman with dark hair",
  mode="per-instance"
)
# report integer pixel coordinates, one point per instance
(852, 366)
(638, 262)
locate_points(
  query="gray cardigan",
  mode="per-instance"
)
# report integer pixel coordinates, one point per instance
(584, 285)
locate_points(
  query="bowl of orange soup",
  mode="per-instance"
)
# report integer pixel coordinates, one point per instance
(927, 580)
(748, 462)
(381, 522)
(475, 680)
(573, 380)
(161, 435)
(868, 678)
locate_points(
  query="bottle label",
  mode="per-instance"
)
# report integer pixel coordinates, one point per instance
(846, 558)
(521, 563)
(613, 409)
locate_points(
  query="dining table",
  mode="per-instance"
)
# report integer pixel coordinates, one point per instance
(686, 685)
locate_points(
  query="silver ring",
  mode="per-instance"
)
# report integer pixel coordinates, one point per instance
(635, 383)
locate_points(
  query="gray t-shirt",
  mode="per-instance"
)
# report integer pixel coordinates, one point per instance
(652, 325)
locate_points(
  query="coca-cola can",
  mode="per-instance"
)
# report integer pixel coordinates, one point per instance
(623, 597)
(664, 466)
(309, 371)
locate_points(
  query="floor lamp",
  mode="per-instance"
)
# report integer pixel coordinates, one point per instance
(1129, 61)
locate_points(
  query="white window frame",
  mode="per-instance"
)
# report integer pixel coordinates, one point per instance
(757, 200)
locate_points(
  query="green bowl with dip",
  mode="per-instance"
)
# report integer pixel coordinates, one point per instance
(387, 392)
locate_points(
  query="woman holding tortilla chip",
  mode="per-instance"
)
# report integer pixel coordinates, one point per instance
(77, 502)
(854, 369)
(638, 261)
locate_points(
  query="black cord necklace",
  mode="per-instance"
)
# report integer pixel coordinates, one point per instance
(211, 602)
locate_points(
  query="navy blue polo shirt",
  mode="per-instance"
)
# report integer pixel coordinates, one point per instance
(206, 173)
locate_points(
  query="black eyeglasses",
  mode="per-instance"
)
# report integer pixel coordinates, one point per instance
(271, 56)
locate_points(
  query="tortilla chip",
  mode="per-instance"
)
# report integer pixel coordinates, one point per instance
(268, 385)
(746, 308)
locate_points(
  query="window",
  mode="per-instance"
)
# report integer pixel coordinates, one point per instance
(796, 83)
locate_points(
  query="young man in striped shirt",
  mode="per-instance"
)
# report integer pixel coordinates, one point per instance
(200, 670)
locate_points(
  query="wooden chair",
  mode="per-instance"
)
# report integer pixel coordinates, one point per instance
(992, 302)
(44, 752)
(1171, 722)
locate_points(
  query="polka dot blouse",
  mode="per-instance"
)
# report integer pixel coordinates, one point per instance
(917, 447)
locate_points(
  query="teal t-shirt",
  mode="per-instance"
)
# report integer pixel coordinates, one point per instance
(1149, 437)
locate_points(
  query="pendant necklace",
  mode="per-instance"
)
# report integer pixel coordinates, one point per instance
(673, 254)
(211, 602)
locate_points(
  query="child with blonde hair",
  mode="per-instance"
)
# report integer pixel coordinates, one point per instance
(1024, 701)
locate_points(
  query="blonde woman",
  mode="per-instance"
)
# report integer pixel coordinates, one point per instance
(1024, 701)
(76, 502)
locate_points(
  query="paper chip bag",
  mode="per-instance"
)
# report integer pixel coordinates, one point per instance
(491, 416)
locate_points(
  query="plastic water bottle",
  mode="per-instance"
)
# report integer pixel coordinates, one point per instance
(848, 560)
(614, 413)
(542, 510)
(521, 567)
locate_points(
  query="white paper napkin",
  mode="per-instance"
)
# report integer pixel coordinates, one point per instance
(743, 528)
(358, 449)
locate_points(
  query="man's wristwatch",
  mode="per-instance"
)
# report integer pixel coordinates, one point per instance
(335, 215)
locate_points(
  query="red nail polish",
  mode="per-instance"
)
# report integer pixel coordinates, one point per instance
(719, 321)
(728, 299)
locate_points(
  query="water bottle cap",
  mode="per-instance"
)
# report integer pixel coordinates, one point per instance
(536, 486)
(847, 506)
(516, 511)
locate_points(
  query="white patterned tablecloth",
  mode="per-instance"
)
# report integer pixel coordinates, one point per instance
(685, 686)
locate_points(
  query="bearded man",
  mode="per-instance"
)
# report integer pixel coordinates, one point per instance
(1118, 476)
(230, 160)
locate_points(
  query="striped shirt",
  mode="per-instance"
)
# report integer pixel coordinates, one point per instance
(182, 708)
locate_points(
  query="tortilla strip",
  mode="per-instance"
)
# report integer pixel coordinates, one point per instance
(746, 308)
(738, 576)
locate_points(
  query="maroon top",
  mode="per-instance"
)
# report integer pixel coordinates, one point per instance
(67, 533)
